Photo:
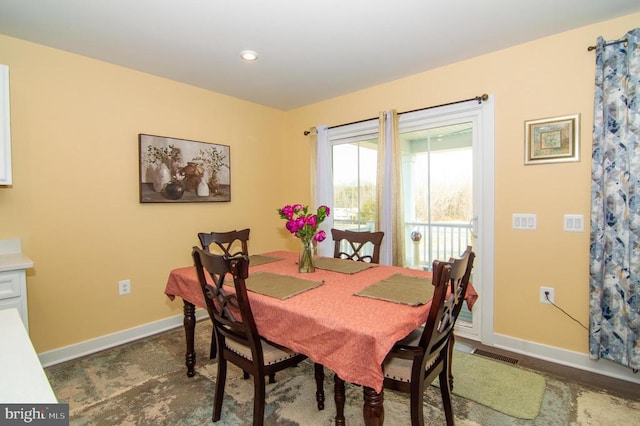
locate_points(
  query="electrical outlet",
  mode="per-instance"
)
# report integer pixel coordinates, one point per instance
(551, 295)
(124, 287)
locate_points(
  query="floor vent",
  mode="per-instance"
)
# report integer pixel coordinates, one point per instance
(495, 356)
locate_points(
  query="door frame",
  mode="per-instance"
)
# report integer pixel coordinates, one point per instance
(482, 116)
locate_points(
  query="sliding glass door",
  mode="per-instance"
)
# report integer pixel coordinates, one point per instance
(447, 188)
(438, 189)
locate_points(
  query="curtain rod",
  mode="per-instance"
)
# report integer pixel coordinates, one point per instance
(479, 99)
(609, 43)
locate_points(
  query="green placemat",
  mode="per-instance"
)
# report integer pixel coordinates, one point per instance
(259, 259)
(341, 265)
(278, 286)
(399, 288)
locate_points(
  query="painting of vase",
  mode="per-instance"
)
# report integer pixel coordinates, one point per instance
(176, 170)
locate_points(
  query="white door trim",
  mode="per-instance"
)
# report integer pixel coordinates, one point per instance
(482, 116)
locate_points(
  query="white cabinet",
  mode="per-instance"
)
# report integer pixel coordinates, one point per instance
(13, 280)
(5, 130)
(13, 293)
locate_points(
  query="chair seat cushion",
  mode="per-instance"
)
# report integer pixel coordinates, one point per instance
(399, 369)
(270, 352)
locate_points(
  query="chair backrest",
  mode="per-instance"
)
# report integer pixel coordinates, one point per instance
(357, 241)
(225, 242)
(230, 312)
(448, 296)
(459, 287)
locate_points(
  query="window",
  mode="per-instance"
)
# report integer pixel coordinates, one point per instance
(354, 150)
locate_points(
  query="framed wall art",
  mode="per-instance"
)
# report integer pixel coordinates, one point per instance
(552, 140)
(182, 171)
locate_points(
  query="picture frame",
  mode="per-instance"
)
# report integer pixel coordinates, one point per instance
(176, 170)
(552, 140)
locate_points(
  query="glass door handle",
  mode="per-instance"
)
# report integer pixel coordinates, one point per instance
(473, 224)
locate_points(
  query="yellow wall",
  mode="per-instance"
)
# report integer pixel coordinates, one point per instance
(545, 78)
(74, 202)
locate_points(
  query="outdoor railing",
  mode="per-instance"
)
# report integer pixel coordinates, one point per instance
(447, 239)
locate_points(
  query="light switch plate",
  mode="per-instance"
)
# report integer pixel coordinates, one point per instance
(573, 222)
(524, 221)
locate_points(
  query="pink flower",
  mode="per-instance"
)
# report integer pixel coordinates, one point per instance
(324, 209)
(287, 211)
(320, 236)
(292, 226)
(303, 224)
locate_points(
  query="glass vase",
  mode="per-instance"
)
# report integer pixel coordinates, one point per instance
(305, 260)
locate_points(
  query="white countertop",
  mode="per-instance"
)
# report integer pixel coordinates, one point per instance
(22, 378)
(11, 257)
(14, 261)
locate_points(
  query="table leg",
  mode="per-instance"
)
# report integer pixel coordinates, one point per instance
(339, 397)
(373, 409)
(319, 375)
(189, 332)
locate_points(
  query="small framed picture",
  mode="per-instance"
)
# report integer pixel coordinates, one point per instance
(552, 140)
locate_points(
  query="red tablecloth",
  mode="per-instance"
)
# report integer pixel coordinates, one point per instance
(348, 334)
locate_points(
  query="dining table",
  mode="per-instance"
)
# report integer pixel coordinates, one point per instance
(340, 320)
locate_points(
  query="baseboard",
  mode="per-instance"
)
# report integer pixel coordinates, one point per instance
(565, 357)
(88, 347)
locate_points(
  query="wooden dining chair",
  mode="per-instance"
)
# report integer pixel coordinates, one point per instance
(230, 243)
(226, 243)
(460, 289)
(357, 241)
(425, 353)
(235, 329)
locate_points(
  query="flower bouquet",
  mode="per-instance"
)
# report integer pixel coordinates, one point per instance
(304, 225)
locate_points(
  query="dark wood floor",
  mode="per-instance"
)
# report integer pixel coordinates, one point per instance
(615, 387)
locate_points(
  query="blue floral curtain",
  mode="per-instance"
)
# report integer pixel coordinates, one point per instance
(615, 200)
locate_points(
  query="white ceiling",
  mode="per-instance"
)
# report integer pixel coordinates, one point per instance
(310, 50)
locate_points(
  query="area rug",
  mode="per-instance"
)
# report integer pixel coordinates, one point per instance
(145, 383)
(503, 387)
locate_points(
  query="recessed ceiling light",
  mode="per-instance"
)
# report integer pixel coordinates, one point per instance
(249, 55)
